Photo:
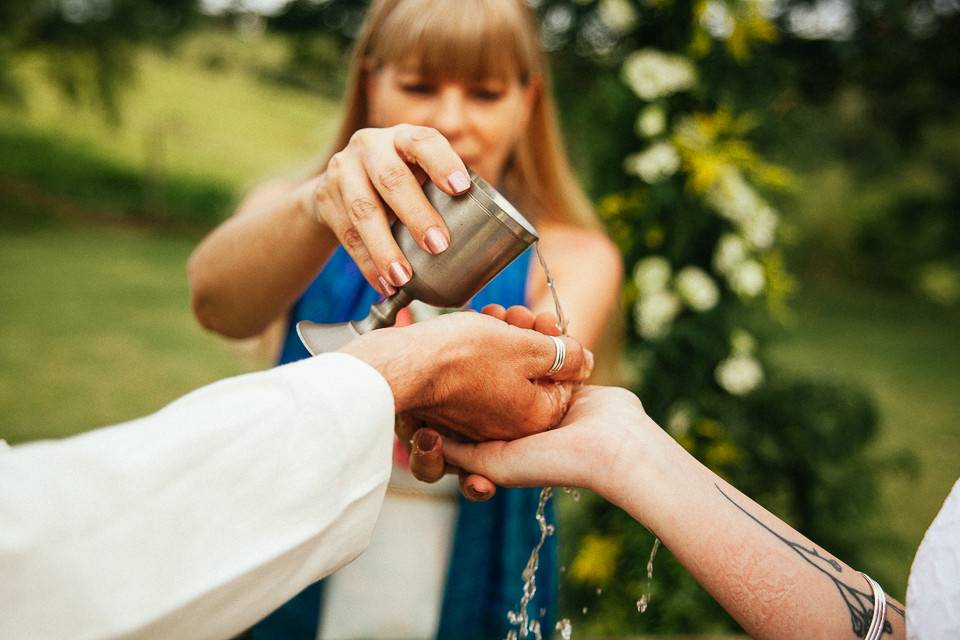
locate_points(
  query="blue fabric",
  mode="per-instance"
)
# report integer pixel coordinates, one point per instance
(492, 540)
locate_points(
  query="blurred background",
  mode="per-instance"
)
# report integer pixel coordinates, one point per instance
(782, 176)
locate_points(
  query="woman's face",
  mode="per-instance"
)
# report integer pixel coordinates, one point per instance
(483, 121)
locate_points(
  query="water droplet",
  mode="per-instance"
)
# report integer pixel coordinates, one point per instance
(550, 529)
(642, 603)
(584, 611)
(543, 611)
(563, 569)
(565, 629)
(599, 591)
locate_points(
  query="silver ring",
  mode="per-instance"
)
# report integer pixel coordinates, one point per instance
(560, 357)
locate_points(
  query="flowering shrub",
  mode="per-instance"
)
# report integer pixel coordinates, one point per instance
(700, 235)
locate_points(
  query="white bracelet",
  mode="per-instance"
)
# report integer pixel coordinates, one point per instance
(879, 610)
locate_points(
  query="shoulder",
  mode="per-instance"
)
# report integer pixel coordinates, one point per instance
(573, 247)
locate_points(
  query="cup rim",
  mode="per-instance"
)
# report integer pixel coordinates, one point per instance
(498, 206)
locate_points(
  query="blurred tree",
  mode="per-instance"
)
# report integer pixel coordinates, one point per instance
(87, 46)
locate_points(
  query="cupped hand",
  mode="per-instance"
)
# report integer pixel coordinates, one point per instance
(476, 375)
(479, 376)
(586, 450)
(424, 441)
(377, 175)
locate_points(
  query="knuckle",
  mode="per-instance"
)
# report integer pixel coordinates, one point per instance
(393, 177)
(335, 163)
(362, 209)
(420, 134)
(360, 137)
(352, 240)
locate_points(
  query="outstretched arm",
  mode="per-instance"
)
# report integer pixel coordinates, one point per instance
(775, 582)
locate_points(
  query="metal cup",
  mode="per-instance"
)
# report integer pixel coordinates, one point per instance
(486, 234)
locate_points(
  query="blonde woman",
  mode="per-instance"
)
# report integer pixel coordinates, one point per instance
(435, 86)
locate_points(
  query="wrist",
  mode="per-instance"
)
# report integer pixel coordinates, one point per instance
(642, 471)
(405, 370)
(307, 205)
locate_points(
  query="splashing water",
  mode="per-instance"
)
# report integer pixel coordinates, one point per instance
(565, 628)
(561, 319)
(573, 493)
(644, 600)
(520, 617)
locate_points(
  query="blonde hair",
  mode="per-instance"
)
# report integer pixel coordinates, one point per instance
(466, 41)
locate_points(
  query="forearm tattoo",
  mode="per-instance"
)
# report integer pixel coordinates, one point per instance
(859, 603)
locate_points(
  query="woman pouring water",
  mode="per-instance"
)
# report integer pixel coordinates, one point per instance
(434, 87)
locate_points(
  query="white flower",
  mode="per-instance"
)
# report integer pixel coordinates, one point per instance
(652, 274)
(730, 252)
(651, 122)
(760, 227)
(716, 19)
(618, 15)
(732, 197)
(679, 419)
(697, 289)
(742, 342)
(655, 163)
(747, 279)
(739, 374)
(653, 74)
(654, 313)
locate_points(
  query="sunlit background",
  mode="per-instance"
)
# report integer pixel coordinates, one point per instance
(783, 178)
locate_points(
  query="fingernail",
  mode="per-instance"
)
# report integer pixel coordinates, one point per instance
(479, 493)
(385, 286)
(425, 441)
(459, 181)
(399, 274)
(435, 240)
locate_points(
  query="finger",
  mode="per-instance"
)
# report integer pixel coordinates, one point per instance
(547, 323)
(548, 406)
(426, 458)
(476, 488)
(328, 197)
(400, 190)
(576, 365)
(427, 148)
(404, 427)
(368, 216)
(520, 316)
(496, 311)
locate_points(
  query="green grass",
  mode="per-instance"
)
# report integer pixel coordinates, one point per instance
(96, 330)
(183, 117)
(906, 353)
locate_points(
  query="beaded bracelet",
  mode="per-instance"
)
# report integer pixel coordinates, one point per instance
(879, 610)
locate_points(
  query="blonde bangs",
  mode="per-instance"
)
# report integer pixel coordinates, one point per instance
(464, 41)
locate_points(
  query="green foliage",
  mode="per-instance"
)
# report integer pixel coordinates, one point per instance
(88, 46)
(44, 176)
(700, 237)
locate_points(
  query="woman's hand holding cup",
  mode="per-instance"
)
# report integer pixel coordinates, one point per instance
(378, 175)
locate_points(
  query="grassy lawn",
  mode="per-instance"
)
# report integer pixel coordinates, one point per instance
(180, 115)
(906, 353)
(96, 330)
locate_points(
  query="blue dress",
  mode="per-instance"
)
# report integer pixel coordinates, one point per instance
(492, 540)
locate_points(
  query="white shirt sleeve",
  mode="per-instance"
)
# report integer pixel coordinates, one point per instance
(199, 520)
(933, 590)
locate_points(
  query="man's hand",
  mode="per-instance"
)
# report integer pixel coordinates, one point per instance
(586, 450)
(427, 462)
(476, 375)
